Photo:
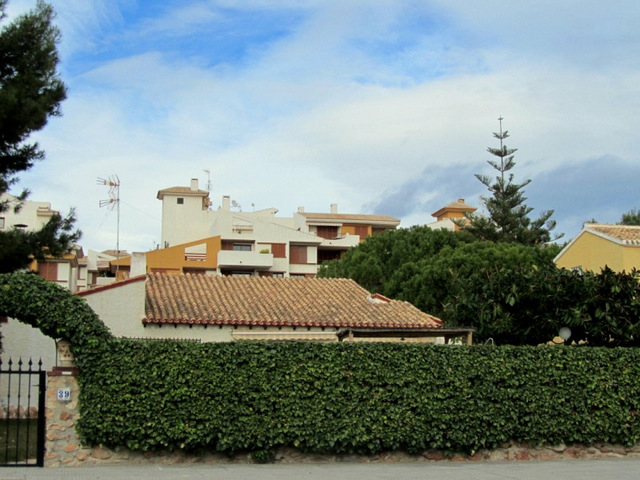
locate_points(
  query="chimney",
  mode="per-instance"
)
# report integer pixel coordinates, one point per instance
(334, 208)
(300, 209)
(138, 263)
(226, 203)
(194, 184)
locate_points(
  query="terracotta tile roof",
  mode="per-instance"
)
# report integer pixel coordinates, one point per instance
(457, 206)
(623, 234)
(349, 217)
(265, 301)
(182, 191)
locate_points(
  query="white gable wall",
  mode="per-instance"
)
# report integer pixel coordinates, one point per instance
(185, 222)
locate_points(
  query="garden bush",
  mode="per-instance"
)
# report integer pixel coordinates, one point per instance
(355, 397)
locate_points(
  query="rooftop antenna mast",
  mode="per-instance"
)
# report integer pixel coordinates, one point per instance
(113, 182)
(208, 172)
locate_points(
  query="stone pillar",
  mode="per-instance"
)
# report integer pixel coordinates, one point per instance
(62, 444)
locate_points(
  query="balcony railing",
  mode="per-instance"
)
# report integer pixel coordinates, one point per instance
(239, 259)
(347, 241)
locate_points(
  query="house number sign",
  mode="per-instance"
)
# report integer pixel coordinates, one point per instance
(64, 394)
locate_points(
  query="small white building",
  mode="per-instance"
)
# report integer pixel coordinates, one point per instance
(226, 308)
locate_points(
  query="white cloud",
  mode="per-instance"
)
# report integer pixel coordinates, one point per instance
(348, 102)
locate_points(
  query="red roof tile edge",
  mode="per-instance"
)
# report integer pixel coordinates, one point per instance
(257, 323)
(139, 278)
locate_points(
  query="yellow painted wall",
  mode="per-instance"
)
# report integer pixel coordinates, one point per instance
(631, 258)
(451, 214)
(172, 260)
(592, 253)
(351, 229)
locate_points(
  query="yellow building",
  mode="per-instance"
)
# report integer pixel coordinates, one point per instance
(200, 256)
(447, 216)
(597, 245)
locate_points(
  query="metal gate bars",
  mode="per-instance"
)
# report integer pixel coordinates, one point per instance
(22, 414)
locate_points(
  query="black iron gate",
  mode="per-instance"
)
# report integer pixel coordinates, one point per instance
(23, 388)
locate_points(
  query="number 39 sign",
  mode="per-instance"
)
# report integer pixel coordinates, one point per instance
(64, 394)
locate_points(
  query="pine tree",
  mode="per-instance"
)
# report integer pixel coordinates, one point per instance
(30, 92)
(507, 218)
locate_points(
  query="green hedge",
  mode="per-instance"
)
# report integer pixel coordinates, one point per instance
(355, 398)
(51, 308)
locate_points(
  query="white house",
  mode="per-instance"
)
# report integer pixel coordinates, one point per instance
(226, 308)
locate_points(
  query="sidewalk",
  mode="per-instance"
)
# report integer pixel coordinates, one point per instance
(621, 469)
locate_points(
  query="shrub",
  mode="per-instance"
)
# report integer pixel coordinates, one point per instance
(355, 398)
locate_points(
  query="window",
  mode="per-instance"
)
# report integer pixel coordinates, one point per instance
(326, 255)
(298, 254)
(238, 247)
(279, 250)
(362, 231)
(327, 232)
(180, 201)
(237, 273)
(48, 271)
(271, 274)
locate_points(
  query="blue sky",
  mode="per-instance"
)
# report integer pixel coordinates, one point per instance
(381, 107)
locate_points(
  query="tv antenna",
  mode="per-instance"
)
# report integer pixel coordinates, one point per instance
(208, 172)
(113, 182)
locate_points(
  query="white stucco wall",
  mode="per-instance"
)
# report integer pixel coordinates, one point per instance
(183, 223)
(189, 332)
(28, 214)
(20, 340)
(120, 307)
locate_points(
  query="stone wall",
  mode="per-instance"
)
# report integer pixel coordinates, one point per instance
(63, 446)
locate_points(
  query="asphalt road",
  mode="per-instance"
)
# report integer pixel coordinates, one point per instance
(618, 469)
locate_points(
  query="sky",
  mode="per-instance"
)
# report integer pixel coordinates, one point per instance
(382, 107)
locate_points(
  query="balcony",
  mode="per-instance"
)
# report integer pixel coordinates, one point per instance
(345, 242)
(241, 260)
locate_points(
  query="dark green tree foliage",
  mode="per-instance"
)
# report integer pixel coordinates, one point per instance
(30, 92)
(632, 217)
(425, 266)
(432, 284)
(381, 262)
(18, 248)
(507, 218)
(528, 306)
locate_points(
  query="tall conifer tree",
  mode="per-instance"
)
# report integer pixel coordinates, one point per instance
(507, 215)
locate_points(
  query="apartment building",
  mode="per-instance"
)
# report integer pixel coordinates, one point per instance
(226, 241)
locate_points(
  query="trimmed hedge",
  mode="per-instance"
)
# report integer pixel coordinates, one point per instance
(357, 398)
(53, 309)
